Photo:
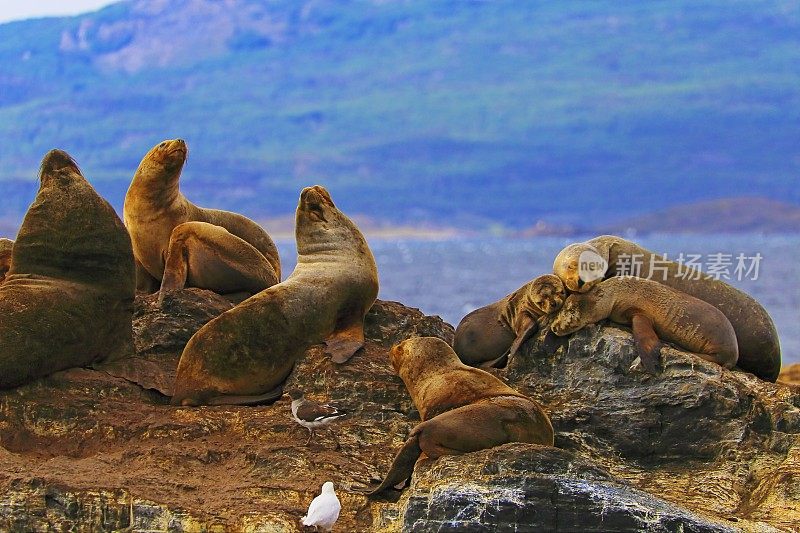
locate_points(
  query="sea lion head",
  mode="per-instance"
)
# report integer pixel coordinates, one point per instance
(316, 203)
(417, 354)
(547, 293)
(58, 167)
(164, 161)
(321, 225)
(580, 266)
(574, 314)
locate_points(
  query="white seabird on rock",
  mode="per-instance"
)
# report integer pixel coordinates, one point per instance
(324, 509)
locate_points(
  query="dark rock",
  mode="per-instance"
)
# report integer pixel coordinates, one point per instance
(523, 487)
(389, 323)
(160, 328)
(713, 440)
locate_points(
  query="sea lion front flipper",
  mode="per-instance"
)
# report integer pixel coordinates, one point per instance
(176, 266)
(343, 343)
(647, 343)
(256, 399)
(528, 327)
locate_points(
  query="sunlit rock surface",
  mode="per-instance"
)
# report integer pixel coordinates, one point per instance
(694, 449)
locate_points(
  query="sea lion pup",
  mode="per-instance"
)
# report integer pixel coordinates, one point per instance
(655, 312)
(488, 336)
(463, 409)
(178, 244)
(67, 300)
(246, 353)
(6, 245)
(758, 343)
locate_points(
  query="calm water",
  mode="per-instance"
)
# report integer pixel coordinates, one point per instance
(450, 278)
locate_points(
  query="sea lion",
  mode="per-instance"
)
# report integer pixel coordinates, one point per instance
(67, 300)
(6, 245)
(178, 244)
(248, 351)
(654, 311)
(757, 338)
(488, 336)
(463, 409)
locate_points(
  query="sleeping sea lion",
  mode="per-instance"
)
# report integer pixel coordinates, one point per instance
(490, 335)
(655, 312)
(757, 339)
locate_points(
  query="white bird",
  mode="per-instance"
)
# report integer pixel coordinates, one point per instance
(312, 415)
(324, 509)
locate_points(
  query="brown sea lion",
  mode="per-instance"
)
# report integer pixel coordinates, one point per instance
(6, 245)
(463, 409)
(655, 312)
(487, 336)
(178, 244)
(67, 300)
(247, 352)
(757, 338)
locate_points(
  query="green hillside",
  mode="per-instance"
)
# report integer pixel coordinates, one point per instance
(452, 112)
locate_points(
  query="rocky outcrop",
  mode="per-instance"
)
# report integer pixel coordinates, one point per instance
(523, 487)
(719, 442)
(694, 449)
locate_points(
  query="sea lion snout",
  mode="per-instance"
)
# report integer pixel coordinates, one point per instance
(315, 201)
(171, 152)
(548, 293)
(315, 196)
(56, 160)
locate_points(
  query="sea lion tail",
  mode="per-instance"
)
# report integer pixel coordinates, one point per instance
(403, 464)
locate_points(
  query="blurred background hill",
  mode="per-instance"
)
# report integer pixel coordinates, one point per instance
(530, 117)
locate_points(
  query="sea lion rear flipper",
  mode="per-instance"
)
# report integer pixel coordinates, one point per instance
(342, 344)
(256, 399)
(403, 464)
(648, 346)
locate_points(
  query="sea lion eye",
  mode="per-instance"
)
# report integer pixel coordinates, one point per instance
(163, 144)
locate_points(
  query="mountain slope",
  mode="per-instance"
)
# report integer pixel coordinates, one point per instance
(453, 112)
